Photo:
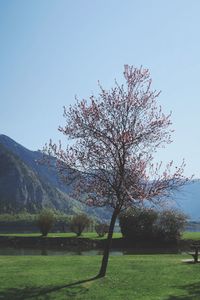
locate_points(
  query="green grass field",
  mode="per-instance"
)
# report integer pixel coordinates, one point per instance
(191, 235)
(135, 277)
(90, 235)
(93, 235)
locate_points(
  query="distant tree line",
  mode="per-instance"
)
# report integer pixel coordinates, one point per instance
(136, 223)
(50, 220)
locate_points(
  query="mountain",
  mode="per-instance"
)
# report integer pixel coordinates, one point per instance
(31, 159)
(28, 185)
(22, 189)
(187, 199)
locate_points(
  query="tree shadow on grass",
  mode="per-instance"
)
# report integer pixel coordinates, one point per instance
(72, 290)
(193, 292)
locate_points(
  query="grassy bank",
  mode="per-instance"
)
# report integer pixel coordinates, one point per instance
(191, 235)
(90, 235)
(138, 277)
(93, 235)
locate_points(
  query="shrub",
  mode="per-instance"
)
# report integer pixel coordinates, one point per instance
(101, 229)
(79, 223)
(45, 221)
(137, 223)
(147, 224)
(62, 222)
(170, 224)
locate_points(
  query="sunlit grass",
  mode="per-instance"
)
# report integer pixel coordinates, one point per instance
(187, 235)
(138, 277)
(91, 235)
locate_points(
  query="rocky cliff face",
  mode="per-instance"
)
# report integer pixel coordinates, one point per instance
(18, 185)
(31, 159)
(22, 189)
(27, 185)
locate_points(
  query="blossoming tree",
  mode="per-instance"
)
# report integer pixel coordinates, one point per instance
(115, 136)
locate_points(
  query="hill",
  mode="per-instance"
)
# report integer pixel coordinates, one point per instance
(22, 189)
(28, 185)
(188, 199)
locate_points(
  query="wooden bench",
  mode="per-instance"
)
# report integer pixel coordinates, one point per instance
(195, 254)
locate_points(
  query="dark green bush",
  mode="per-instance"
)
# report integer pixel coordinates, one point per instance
(79, 223)
(142, 224)
(45, 221)
(101, 229)
(170, 224)
(137, 223)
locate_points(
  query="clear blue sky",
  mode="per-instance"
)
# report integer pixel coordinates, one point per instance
(51, 50)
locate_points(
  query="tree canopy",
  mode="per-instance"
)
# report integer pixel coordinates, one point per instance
(114, 137)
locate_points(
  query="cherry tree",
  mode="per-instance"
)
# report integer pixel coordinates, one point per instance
(110, 157)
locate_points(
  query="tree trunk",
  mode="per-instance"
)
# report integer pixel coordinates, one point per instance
(104, 262)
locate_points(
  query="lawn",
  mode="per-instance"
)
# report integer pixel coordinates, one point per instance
(90, 235)
(136, 277)
(187, 235)
(93, 235)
